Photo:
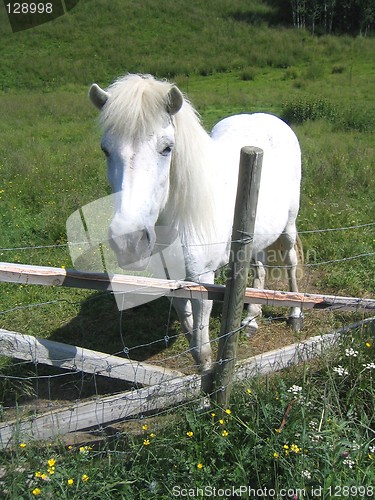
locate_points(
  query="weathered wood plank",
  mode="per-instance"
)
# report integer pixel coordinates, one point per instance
(52, 276)
(279, 359)
(69, 357)
(106, 410)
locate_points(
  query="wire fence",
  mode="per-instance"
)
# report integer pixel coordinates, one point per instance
(29, 384)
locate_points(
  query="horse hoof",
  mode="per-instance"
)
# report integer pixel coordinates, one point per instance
(295, 323)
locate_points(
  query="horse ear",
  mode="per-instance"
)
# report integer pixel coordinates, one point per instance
(98, 96)
(175, 100)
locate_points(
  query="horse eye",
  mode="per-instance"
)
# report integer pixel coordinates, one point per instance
(166, 151)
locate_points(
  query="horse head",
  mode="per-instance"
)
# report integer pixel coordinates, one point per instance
(138, 141)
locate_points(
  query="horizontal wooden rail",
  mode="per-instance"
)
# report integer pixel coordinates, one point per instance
(69, 357)
(119, 407)
(55, 276)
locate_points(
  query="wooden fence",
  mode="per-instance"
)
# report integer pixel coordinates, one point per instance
(162, 387)
(55, 276)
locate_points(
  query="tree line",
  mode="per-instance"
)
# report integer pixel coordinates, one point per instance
(334, 16)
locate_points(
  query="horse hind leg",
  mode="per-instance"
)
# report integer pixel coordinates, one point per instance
(292, 256)
(254, 310)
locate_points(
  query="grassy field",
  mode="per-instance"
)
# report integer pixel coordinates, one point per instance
(229, 57)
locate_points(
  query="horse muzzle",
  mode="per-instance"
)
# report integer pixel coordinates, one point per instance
(133, 250)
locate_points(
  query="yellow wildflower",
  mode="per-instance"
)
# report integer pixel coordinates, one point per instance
(152, 435)
(23, 445)
(38, 474)
(144, 427)
(227, 411)
(51, 462)
(36, 492)
(213, 414)
(200, 465)
(70, 482)
(85, 478)
(276, 455)
(295, 448)
(368, 344)
(146, 442)
(190, 434)
(85, 449)
(225, 433)
(221, 422)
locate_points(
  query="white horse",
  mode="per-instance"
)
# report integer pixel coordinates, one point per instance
(168, 171)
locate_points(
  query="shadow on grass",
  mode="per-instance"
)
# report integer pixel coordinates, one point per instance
(137, 333)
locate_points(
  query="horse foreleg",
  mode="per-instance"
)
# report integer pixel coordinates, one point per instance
(194, 316)
(254, 310)
(185, 315)
(200, 340)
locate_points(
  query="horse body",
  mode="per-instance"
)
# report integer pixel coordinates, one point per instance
(278, 200)
(166, 170)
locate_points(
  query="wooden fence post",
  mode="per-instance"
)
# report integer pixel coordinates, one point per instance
(239, 263)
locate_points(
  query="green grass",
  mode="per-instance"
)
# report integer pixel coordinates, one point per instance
(226, 56)
(310, 429)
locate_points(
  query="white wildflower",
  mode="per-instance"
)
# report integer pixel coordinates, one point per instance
(355, 446)
(369, 366)
(313, 425)
(350, 352)
(295, 389)
(349, 463)
(306, 474)
(340, 370)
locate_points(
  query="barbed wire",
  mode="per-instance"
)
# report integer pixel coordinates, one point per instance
(83, 243)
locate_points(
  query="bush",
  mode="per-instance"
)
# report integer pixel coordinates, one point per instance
(303, 110)
(248, 74)
(360, 120)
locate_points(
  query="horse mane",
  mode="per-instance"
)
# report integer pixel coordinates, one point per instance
(135, 108)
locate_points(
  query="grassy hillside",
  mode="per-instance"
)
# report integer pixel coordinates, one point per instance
(100, 39)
